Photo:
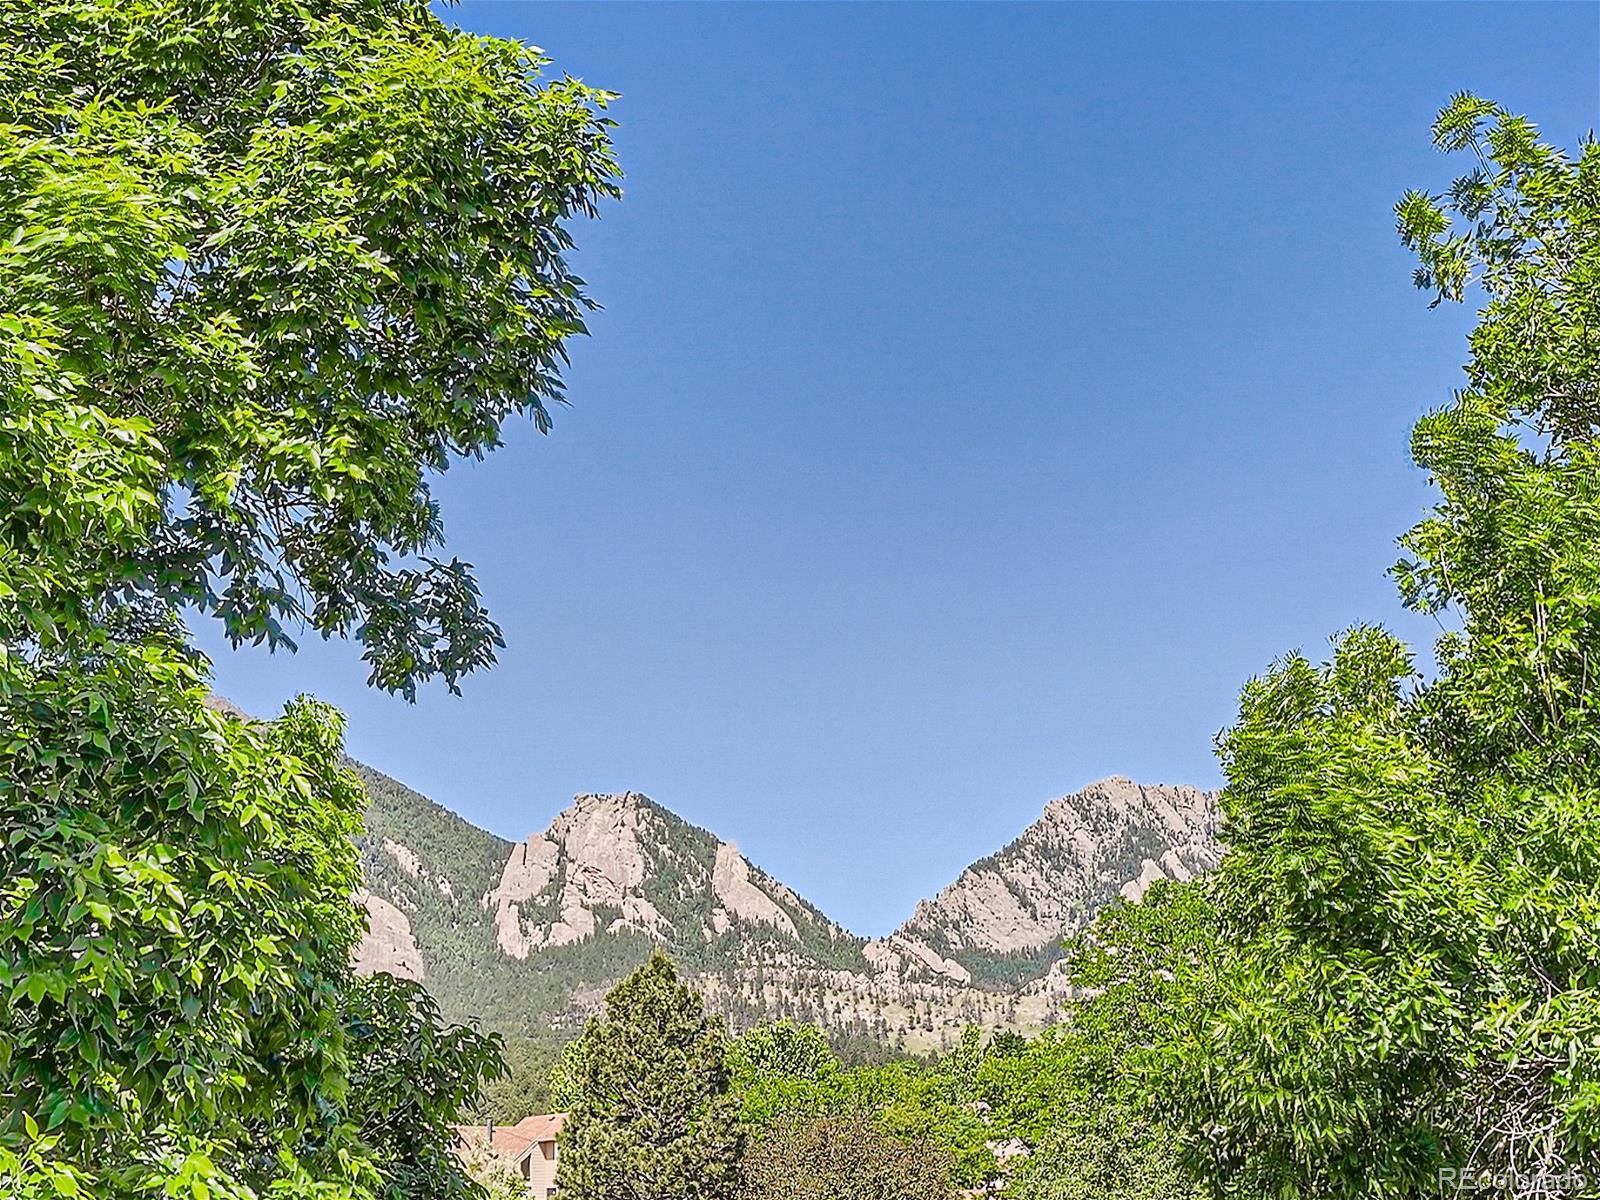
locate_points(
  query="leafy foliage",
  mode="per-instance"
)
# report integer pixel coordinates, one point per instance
(176, 1006)
(267, 267)
(1061, 1115)
(785, 1083)
(569, 1073)
(410, 1077)
(1409, 972)
(784, 1049)
(843, 1158)
(174, 921)
(1076, 1095)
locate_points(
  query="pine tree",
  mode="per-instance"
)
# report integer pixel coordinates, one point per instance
(652, 1117)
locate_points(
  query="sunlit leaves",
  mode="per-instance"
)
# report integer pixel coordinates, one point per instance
(131, 1000)
(409, 1077)
(318, 250)
(1410, 906)
(264, 269)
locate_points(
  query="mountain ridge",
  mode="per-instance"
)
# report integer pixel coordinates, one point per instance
(1006, 912)
(526, 935)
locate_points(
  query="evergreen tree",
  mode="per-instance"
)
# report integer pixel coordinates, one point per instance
(652, 1115)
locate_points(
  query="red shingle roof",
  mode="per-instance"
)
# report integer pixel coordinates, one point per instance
(511, 1142)
(542, 1127)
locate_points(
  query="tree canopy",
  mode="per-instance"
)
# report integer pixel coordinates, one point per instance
(1409, 912)
(846, 1157)
(264, 268)
(267, 266)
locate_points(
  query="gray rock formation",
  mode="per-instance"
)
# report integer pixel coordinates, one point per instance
(387, 944)
(1113, 838)
(535, 931)
(612, 864)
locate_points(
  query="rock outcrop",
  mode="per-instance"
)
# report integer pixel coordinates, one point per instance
(612, 864)
(387, 945)
(1114, 838)
(739, 899)
(570, 908)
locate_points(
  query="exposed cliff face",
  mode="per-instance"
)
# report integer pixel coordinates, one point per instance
(1113, 838)
(387, 945)
(623, 864)
(557, 887)
(532, 933)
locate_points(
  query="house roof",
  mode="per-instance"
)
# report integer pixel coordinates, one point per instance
(543, 1126)
(512, 1142)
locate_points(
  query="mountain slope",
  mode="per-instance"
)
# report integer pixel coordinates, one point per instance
(1002, 921)
(618, 864)
(526, 937)
(425, 871)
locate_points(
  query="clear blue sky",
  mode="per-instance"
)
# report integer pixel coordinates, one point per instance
(982, 394)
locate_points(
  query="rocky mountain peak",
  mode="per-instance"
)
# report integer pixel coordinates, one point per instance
(622, 863)
(1005, 915)
(534, 931)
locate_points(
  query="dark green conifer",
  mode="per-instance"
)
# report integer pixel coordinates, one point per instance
(652, 1117)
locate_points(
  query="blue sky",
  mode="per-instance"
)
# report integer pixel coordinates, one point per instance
(983, 393)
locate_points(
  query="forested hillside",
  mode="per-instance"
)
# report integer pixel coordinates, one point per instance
(527, 936)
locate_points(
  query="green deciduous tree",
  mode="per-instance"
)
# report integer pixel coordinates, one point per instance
(790, 1049)
(781, 1069)
(174, 915)
(1115, 1152)
(410, 1077)
(1410, 908)
(264, 268)
(1076, 1095)
(567, 1075)
(652, 1115)
(786, 1078)
(176, 1002)
(300, 255)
